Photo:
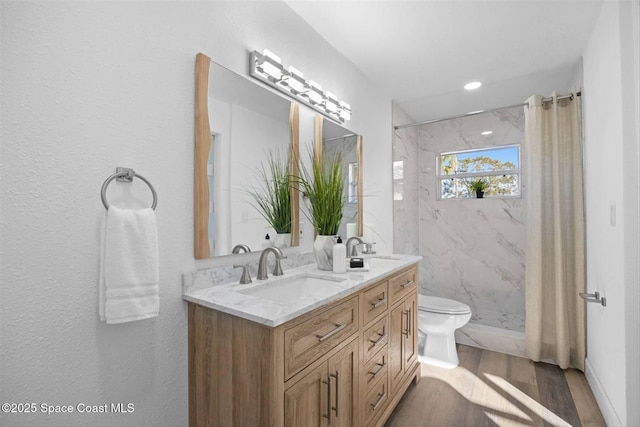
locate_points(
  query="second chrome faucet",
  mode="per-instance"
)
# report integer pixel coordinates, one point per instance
(262, 263)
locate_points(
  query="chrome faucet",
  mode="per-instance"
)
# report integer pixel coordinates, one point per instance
(237, 248)
(262, 263)
(354, 249)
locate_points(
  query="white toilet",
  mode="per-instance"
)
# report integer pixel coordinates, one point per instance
(438, 319)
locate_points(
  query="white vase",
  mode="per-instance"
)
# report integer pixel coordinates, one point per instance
(323, 252)
(282, 240)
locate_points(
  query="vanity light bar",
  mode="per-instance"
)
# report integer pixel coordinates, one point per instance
(344, 111)
(267, 67)
(296, 81)
(271, 65)
(331, 103)
(315, 93)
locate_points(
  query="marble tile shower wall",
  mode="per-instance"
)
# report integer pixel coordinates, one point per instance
(473, 249)
(405, 186)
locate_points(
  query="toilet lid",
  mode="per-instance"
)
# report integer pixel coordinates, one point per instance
(442, 305)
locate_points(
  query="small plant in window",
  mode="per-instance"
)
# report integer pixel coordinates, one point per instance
(498, 167)
(478, 186)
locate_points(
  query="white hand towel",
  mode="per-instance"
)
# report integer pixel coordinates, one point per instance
(129, 266)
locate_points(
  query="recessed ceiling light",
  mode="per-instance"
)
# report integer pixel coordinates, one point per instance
(487, 132)
(472, 85)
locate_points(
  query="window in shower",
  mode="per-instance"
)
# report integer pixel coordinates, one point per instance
(499, 167)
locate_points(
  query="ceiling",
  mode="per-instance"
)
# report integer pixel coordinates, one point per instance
(421, 53)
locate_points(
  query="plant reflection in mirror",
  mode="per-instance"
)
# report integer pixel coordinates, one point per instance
(272, 194)
(323, 185)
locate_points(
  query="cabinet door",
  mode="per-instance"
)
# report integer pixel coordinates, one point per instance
(410, 344)
(403, 339)
(397, 332)
(305, 403)
(343, 381)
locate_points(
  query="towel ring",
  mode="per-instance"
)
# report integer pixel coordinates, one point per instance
(126, 175)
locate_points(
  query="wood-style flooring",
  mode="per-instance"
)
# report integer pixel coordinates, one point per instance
(495, 389)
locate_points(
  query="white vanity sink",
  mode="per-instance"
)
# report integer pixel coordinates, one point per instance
(295, 288)
(279, 299)
(382, 261)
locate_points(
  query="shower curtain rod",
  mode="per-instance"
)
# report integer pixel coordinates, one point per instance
(473, 113)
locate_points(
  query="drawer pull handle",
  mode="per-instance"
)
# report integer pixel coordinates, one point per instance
(335, 408)
(381, 397)
(379, 303)
(409, 283)
(332, 333)
(406, 331)
(381, 336)
(328, 383)
(381, 367)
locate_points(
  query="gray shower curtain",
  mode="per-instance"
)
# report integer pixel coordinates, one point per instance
(555, 250)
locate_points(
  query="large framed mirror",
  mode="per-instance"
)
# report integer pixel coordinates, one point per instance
(330, 138)
(238, 125)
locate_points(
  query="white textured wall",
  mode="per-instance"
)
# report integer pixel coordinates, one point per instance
(611, 182)
(86, 87)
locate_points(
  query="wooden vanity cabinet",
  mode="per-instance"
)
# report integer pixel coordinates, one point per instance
(387, 372)
(344, 364)
(326, 395)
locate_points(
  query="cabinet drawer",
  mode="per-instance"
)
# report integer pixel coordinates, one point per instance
(374, 370)
(374, 302)
(403, 284)
(375, 337)
(312, 338)
(375, 401)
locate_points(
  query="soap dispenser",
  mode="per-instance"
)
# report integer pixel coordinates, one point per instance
(266, 243)
(339, 257)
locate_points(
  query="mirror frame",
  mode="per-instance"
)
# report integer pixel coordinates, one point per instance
(202, 147)
(319, 121)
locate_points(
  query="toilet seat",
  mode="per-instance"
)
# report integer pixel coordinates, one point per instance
(441, 305)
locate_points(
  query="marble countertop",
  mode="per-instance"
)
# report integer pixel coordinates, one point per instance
(236, 299)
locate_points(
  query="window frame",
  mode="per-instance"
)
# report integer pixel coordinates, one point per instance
(518, 172)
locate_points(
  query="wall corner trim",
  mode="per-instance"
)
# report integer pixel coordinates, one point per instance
(607, 409)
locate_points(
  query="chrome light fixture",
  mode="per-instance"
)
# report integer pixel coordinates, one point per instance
(270, 66)
(315, 94)
(295, 82)
(331, 103)
(267, 67)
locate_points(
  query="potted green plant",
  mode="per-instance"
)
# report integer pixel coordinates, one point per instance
(323, 188)
(478, 186)
(272, 196)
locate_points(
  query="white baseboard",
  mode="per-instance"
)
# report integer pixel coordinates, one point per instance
(490, 338)
(608, 412)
